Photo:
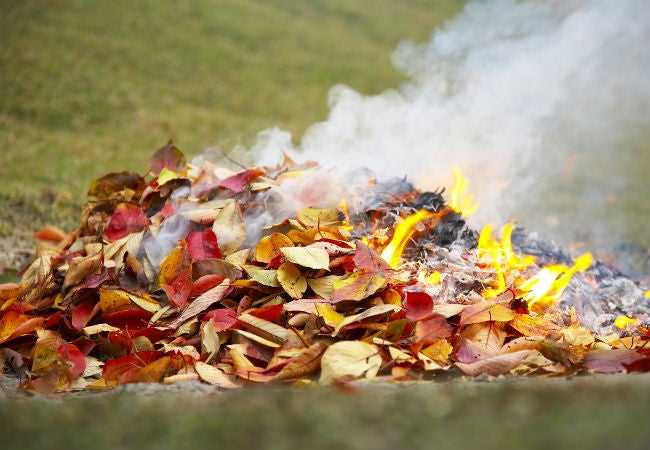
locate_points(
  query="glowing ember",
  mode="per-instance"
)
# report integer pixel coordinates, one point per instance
(461, 200)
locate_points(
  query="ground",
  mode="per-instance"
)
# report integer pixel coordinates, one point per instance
(90, 87)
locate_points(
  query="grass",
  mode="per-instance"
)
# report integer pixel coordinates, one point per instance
(585, 413)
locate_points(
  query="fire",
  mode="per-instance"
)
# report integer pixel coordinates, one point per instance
(500, 256)
(392, 253)
(540, 291)
(461, 200)
(546, 287)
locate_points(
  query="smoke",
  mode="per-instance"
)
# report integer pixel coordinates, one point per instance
(521, 95)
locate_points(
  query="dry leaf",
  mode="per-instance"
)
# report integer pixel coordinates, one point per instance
(292, 280)
(354, 359)
(313, 258)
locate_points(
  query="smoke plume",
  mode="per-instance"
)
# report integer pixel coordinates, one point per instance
(520, 95)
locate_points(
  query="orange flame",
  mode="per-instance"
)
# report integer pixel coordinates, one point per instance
(392, 253)
(461, 200)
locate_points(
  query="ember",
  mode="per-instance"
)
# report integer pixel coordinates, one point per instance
(163, 283)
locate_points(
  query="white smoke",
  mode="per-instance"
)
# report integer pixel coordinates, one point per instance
(510, 91)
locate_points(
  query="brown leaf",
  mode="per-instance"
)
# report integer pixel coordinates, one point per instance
(80, 268)
(306, 363)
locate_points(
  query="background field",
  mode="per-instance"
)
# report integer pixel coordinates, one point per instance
(89, 87)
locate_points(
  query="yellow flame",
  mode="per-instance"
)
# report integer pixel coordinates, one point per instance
(500, 256)
(392, 253)
(432, 279)
(647, 294)
(623, 322)
(461, 200)
(546, 287)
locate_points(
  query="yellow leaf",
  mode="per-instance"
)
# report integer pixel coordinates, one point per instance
(209, 340)
(319, 216)
(331, 317)
(312, 257)
(323, 286)
(166, 176)
(349, 359)
(229, 228)
(171, 265)
(438, 351)
(113, 299)
(263, 276)
(292, 280)
(269, 247)
(239, 257)
(214, 376)
(145, 302)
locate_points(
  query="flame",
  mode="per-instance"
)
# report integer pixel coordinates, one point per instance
(392, 253)
(540, 291)
(546, 287)
(432, 279)
(500, 256)
(461, 200)
(624, 322)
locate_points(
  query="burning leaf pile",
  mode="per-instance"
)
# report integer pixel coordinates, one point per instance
(167, 279)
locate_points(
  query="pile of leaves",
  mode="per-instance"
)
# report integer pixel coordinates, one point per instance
(162, 283)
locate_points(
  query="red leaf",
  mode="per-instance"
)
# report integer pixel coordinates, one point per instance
(169, 157)
(81, 314)
(203, 245)
(126, 219)
(367, 260)
(53, 320)
(432, 328)
(224, 318)
(239, 181)
(70, 353)
(132, 318)
(419, 305)
(119, 369)
(271, 313)
(612, 361)
(180, 288)
(205, 283)
(152, 333)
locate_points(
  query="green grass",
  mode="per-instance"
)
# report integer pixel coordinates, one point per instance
(585, 413)
(90, 87)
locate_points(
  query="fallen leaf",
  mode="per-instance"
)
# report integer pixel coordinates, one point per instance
(305, 363)
(486, 312)
(202, 245)
(126, 219)
(269, 247)
(264, 328)
(419, 305)
(263, 276)
(168, 157)
(313, 258)
(213, 376)
(354, 359)
(229, 228)
(374, 311)
(291, 280)
(202, 303)
(357, 286)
